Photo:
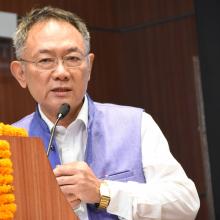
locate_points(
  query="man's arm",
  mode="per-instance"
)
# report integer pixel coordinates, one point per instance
(168, 193)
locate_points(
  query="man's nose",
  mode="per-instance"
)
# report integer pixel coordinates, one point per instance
(60, 72)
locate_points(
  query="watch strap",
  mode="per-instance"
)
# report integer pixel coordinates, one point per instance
(105, 196)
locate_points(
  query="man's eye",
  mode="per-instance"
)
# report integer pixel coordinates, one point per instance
(72, 58)
(46, 60)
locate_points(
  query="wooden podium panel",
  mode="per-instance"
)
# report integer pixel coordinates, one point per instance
(37, 194)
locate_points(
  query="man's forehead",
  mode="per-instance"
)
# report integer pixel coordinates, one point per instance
(52, 34)
(53, 24)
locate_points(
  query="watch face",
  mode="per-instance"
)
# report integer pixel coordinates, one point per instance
(104, 189)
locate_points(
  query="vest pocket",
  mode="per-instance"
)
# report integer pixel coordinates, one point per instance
(120, 175)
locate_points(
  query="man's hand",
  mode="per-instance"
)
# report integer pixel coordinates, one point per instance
(78, 183)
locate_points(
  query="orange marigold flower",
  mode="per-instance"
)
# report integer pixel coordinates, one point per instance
(6, 215)
(6, 170)
(9, 207)
(7, 198)
(5, 153)
(7, 211)
(4, 145)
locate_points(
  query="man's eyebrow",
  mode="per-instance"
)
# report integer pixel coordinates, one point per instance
(69, 50)
(74, 49)
(44, 51)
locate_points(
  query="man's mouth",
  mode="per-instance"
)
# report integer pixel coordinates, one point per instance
(60, 91)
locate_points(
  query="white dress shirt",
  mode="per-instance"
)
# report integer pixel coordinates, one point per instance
(168, 194)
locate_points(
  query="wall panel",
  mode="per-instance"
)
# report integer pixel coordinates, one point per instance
(153, 68)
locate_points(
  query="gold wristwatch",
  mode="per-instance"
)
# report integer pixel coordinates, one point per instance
(105, 196)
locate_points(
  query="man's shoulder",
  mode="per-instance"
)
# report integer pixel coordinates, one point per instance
(118, 112)
(24, 122)
(116, 107)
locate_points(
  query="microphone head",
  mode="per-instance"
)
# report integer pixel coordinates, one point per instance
(63, 111)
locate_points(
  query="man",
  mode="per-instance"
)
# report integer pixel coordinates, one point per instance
(105, 171)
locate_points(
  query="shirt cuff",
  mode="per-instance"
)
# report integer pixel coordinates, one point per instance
(119, 200)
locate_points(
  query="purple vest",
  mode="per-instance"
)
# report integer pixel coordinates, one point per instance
(113, 148)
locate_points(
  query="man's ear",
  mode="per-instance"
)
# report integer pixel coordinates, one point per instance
(18, 73)
(91, 60)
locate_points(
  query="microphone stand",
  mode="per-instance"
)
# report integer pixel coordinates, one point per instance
(63, 111)
(52, 135)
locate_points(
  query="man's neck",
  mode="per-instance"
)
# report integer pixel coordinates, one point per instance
(81, 112)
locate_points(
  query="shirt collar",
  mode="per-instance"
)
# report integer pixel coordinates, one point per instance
(82, 115)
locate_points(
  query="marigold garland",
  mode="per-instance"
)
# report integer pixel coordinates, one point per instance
(12, 131)
(7, 197)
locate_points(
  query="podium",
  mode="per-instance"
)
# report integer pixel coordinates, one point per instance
(37, 194)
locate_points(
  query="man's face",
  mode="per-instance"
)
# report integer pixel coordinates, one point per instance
(50, 88)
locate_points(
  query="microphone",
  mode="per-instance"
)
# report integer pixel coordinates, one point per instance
(63, 111)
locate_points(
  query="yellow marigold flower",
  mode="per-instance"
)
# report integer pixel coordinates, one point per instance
(6, 189)
(6, 179)
(1, 128)
(5, 162)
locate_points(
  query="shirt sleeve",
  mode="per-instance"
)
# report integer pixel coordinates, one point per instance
(168, 193)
